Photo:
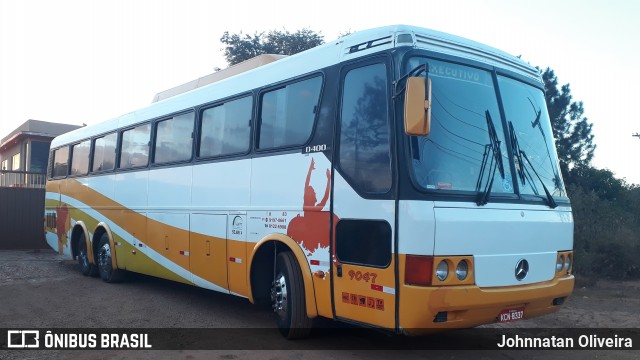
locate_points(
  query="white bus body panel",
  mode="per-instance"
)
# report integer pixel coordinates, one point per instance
(222, 185)
(416, 227)
(499, 235)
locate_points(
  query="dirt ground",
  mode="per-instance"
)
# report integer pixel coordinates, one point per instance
(41, 290)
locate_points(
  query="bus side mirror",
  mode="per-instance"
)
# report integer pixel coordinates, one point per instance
(417, 106)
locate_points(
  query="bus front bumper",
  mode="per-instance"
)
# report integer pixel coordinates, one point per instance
(427, 309)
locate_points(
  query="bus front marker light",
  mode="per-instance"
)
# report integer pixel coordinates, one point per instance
(442, 270)
(567, 263)
(462, 270)
(560, 263)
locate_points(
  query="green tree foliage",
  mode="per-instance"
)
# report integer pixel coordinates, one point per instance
(241, 47)
(606, 210)
(606, 230)
(571, 130)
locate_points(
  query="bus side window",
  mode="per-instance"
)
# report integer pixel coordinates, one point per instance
(134, 151)
(365, 154)
(104, 152)
(80, 158)
(226, 128)
(287, 114)
(173, 139)
(364, 242)
(61, 162)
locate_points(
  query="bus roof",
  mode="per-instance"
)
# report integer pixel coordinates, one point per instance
(345, 48)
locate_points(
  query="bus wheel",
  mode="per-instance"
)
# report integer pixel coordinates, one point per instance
(107, 272)
(86, 268)
(287, 298)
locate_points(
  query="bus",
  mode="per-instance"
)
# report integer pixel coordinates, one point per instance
(399, 178)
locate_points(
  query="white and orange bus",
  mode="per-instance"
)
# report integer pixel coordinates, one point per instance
(398, 177)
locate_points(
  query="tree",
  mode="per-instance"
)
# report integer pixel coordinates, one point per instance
(239, 47)
(571, 130)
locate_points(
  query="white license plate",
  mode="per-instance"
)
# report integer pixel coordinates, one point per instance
(508, 315)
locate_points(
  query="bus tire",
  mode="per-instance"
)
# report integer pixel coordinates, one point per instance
(288, 298)
(105, 267)
(86, 268)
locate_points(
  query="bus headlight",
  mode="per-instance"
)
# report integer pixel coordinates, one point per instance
(462, 270)
(567, 263)
(560, 263)
(442, 270)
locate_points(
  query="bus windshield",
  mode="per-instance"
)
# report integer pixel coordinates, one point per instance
(535, 158)
(466, 150)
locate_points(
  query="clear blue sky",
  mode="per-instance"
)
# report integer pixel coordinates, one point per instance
(78, 61)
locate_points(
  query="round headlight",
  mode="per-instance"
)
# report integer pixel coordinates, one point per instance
(560, 263)
(462, 270)
(567, 263)
(442, 270)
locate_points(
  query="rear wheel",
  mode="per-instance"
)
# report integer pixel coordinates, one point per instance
(86, 268)
(288, 299)
(105, 267)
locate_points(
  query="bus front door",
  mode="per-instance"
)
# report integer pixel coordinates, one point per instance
(363, 269)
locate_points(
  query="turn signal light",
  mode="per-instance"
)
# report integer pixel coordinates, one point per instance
(418, 270)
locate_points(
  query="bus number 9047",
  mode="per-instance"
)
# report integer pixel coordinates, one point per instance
(359, 276)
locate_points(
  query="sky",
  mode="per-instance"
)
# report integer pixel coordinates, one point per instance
(83, 62)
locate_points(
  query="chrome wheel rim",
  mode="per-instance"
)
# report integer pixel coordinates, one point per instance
(84, 259)
(104, 258)
(279, 296)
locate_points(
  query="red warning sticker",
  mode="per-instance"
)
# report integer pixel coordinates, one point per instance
(354, 299)
(371, 302)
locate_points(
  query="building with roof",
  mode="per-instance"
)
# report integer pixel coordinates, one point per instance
(27, 147)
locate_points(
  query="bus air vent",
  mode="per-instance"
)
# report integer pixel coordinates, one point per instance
(370, 44)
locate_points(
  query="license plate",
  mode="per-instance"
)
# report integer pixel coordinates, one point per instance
(508, 315)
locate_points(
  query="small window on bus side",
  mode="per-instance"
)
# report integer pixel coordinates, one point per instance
(60, 162)
(80, 158)
(104, 153)
(287, 114)
(134, 151)
(364, 242)
(226, 129)
(174, 139)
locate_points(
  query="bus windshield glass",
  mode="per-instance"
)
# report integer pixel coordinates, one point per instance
(467, 150)
(460, 153)
(535, 158)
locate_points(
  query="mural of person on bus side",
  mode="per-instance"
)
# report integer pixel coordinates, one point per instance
(311, 230)
(63, 224)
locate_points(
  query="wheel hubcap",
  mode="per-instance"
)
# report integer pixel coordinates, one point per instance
(279, 296)
(104, 258)
(84, 258)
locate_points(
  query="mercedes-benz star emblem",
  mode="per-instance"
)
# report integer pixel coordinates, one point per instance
(522, 269)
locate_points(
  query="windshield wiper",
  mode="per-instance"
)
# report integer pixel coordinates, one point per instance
(536, 123)
(523, 171)
(492, 148)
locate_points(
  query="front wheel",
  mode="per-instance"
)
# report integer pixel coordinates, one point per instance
(288, 299)
(105, 267)
(86, 268)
